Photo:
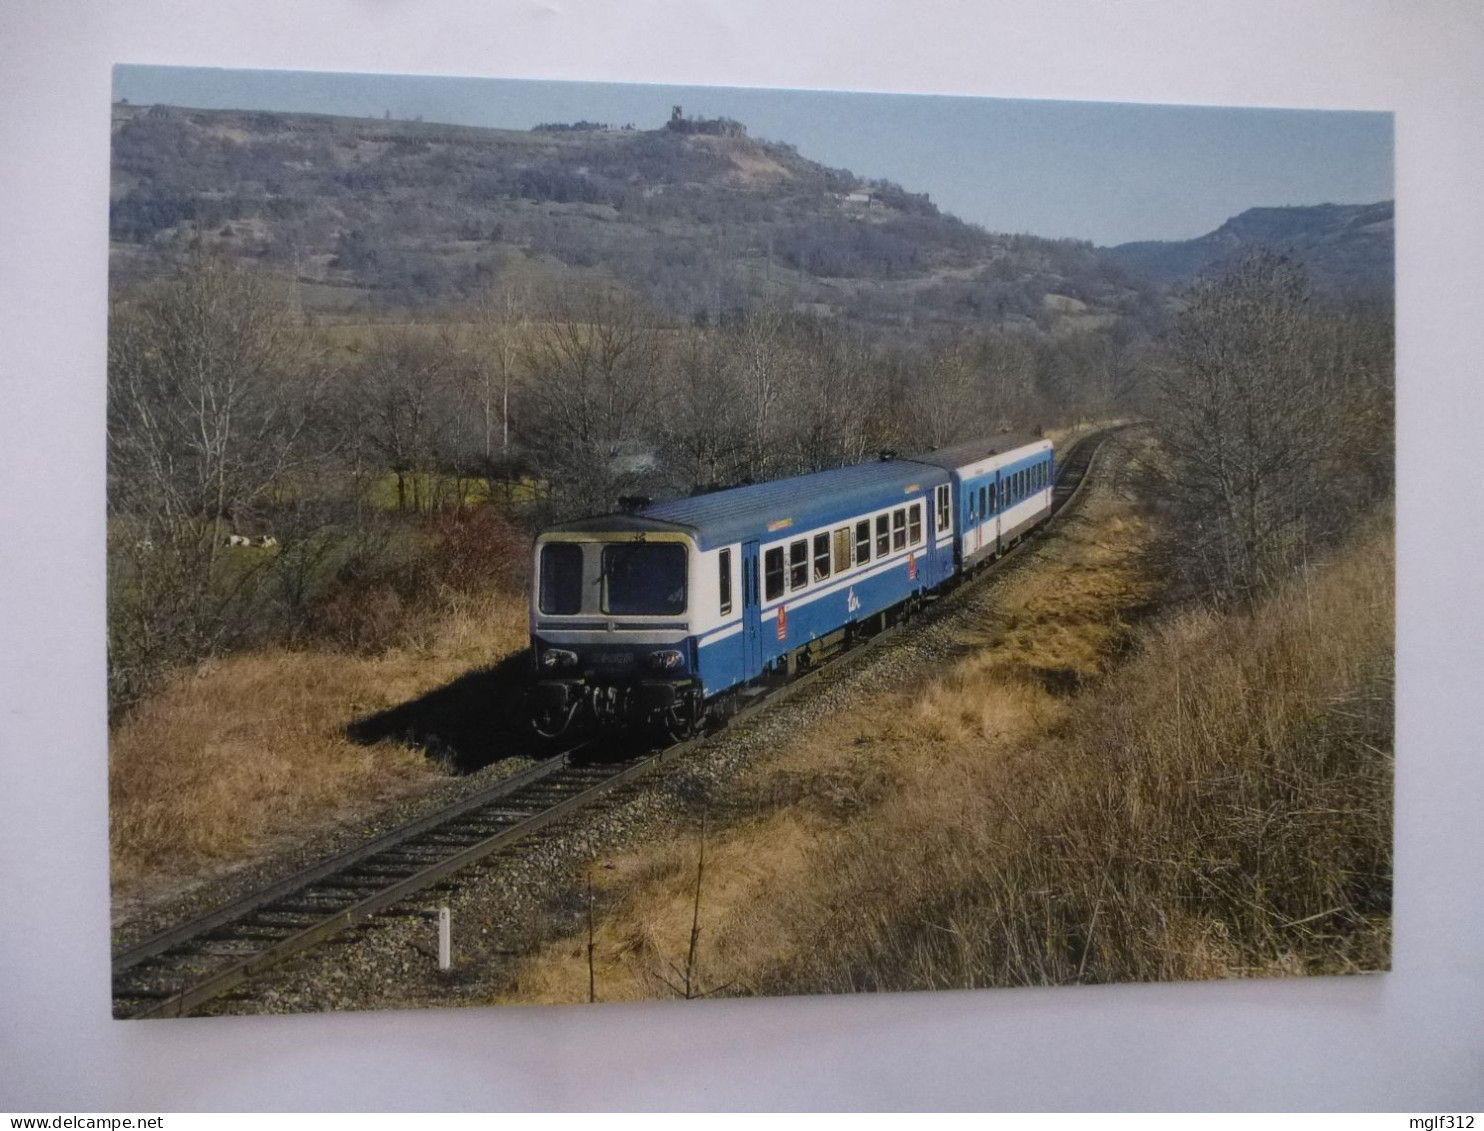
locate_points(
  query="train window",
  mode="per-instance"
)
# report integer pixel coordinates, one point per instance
(899, 528)
(863, 541)
(914, 524)
(883, 535)
(644, 578)
(798, 564)
(561, 578)
(724, 566)
(973, 514)
(821, 557)
(842, 549)
(983, 502)
(945, 514)
(773, 573)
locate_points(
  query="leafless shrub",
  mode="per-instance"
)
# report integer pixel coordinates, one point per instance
(1262, 407)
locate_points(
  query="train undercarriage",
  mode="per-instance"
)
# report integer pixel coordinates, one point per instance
(675, 710)
(665, 708)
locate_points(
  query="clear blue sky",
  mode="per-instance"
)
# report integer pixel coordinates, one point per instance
(1106, 172)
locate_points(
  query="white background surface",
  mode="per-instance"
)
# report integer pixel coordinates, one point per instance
(1409, 1040)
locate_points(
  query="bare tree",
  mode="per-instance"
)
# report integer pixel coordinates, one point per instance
(1250, 424)
(408, 395)
(209, 393)
(211, 388)
(502, 323)
(591, 363)
(760, 343)
(828, 399)
(948, 403)
(703, 427)
(1007, 367)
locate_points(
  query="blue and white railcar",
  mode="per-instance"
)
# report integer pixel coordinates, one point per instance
(654, 615)
(1002, 488)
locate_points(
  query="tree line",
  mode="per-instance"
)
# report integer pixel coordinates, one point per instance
(374, 463)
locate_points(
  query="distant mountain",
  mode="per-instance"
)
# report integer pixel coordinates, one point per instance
(1348, 249)
(373, 215)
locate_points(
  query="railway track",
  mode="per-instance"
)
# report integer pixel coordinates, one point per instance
(179, 970)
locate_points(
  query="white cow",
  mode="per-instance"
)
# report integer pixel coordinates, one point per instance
(266, 540)
(237, 540)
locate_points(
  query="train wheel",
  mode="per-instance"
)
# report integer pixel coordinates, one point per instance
(721, 712)
(679, 722)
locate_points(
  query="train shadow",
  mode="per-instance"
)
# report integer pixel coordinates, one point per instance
(476, 719)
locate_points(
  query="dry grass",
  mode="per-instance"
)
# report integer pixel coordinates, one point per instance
(1218, 805)
(252, 747)
(1222, 807)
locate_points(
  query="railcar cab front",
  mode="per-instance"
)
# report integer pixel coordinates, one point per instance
(610, 625)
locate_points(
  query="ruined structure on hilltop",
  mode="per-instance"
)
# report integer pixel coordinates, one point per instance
(715, 127)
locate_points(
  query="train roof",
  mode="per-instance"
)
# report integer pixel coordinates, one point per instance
(801, 502)
(798, 503)
(759, 510)
(972, 451)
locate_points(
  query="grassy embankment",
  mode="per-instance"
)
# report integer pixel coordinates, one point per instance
(1218, 804)
(239, 751)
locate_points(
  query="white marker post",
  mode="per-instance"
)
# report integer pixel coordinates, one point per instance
(445, 944)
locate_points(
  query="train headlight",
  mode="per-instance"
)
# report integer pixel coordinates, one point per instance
(666, 660)
(558, 658)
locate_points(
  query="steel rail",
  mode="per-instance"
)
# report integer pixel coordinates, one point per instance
(242, 908)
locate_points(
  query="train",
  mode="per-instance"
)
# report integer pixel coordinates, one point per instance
(670, 616)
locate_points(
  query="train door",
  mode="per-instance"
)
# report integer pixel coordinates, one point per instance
(997, 489)
(752, 604)
(985, 506)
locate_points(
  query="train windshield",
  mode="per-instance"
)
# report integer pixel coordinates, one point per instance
(561, 578)
(644, 579)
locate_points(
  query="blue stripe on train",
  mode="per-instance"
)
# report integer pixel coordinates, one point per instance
(722, 663)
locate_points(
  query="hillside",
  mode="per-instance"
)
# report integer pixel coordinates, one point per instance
(1347, 249)
(369, 215)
